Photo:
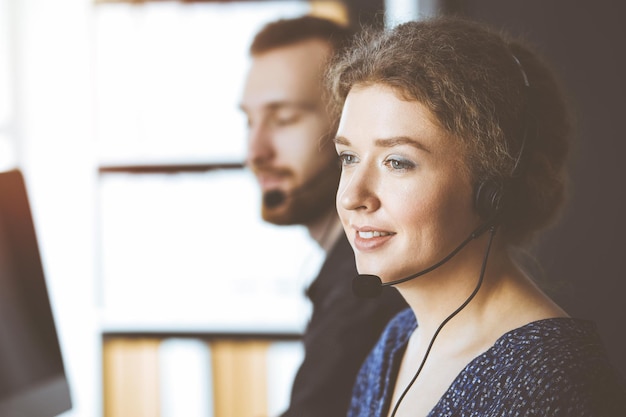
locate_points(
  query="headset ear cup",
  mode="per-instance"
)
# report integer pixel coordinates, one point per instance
(488, 199)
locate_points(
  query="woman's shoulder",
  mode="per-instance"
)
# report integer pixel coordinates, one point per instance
(560, 340)
(556, 345)
(558, 361)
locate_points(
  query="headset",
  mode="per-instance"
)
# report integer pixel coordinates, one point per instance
(490, 201)
(490, 195)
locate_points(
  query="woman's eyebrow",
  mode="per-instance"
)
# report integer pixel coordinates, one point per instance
(387, 142)
(400, 140)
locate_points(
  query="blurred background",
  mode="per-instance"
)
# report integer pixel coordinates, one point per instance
(163, 280)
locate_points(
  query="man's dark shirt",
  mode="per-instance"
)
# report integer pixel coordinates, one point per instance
(342, 331)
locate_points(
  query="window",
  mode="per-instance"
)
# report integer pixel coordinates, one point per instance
(187, 248)
(168, 78)
(183, 249)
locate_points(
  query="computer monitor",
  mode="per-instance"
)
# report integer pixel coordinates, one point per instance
(33, 382)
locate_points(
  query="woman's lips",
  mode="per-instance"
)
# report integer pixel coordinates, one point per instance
(368, 239)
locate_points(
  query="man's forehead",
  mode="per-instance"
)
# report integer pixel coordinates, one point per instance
(287, 77)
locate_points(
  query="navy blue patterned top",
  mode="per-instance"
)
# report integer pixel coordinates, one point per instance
(553, 367)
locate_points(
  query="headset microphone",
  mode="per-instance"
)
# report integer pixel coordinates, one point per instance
(274, 198)
(370, 286)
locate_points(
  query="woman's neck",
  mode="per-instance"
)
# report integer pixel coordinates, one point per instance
(506, 299)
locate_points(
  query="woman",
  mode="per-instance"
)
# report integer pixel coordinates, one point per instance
(453, 141)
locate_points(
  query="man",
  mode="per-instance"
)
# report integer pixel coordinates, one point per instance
(291, 153)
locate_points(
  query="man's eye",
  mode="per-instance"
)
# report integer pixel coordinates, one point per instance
(286, 119)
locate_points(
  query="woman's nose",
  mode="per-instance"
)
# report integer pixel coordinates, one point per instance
(357, 190)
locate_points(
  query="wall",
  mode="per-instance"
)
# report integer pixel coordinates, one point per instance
(584, 254)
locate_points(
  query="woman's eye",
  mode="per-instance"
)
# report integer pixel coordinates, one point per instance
(399, 164)
(347, 159)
